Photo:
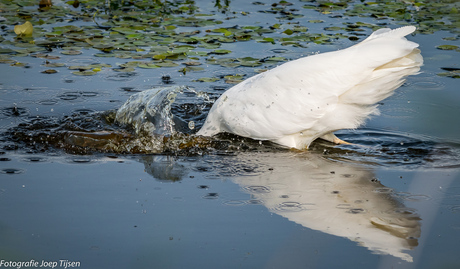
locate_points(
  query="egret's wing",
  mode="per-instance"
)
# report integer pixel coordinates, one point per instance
(320, 93)
(268, 106)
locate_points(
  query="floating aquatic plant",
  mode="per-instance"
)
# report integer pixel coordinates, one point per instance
(171, 34)
(25, 29)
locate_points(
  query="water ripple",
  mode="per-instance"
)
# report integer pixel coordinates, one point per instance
(386, 148)
(87, 131)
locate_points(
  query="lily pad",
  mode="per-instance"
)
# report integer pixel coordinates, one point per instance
(45, 56)
(191, 63)
(49, 71)
(275, 59)
(25, 29)
(79, 67)
(447, 47)
(221, 51)
(85, 73)
(206, 80)
(148, 65)
(196, 53)
(234, 79)
(453, 72)
(6, 51)
(167, 64)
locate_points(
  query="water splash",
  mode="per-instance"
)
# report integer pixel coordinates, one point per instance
(151, 112)
(163, 120)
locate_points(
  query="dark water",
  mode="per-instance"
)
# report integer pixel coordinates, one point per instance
(77, 185)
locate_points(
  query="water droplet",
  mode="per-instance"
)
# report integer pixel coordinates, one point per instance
(15, 111)
(166, 79)
(191, 125)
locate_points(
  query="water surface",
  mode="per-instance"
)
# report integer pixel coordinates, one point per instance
(76, 186)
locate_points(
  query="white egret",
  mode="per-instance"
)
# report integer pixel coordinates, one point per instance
(309, 98)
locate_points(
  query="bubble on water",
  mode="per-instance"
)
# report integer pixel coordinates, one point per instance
(211, 195)
(289, 206)
(83, 111)
(258, 189)
(294, 207)
(255, 202)
(81, 159)
(11, 171)
(234, 202)
(69, 96)
(191, 125)
(48, 102)
(279, 50)
(356, 211)
(89, 94)
(34, 159)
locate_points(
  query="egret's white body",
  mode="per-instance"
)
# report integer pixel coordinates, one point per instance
(309, 98)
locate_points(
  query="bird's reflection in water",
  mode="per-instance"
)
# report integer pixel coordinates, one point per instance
(332, 197)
